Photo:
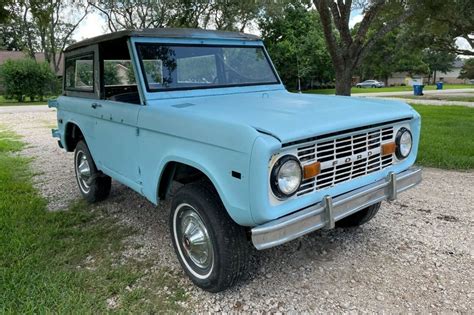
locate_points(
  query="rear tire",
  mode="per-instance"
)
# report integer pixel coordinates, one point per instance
(93, 184)
(360, 217)
(211, 248)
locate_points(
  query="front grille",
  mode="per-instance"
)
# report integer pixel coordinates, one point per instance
(345, 157)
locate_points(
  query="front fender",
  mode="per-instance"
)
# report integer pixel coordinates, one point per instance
(232, 191)
(217, 163)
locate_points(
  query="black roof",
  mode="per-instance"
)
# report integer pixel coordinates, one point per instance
(164, 32)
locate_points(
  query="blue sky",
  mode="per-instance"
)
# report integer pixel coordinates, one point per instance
(356, 17)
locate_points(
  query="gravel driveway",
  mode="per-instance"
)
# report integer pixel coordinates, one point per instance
(415, 256)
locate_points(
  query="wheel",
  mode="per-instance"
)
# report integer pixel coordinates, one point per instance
(373, 86)
(212, 249)
(360, 217)
(93, 184)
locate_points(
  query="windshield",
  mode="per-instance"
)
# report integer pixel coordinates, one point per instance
(174, 67)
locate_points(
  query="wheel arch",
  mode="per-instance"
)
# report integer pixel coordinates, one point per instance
(174, 166)
(72, 135)
(184, 171)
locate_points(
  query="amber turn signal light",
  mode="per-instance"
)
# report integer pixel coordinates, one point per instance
(388, 148)
(311, 170)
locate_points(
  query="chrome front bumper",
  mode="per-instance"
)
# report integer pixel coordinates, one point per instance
(330, 210)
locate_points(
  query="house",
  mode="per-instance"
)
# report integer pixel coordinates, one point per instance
(451, 77)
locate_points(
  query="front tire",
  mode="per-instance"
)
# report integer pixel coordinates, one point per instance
(211, 247)
(93, 184)
(360, 217)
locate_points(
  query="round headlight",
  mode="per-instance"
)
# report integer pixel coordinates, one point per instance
(286, 176)
(404, 143)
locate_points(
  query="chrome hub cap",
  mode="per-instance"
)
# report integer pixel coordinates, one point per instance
(193, 238)
(83, 171)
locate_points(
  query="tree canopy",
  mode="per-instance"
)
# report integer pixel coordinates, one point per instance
(296, 44)
(467, 71)
(41, 26)
(221, 14)
(310, 41)
(443, 21)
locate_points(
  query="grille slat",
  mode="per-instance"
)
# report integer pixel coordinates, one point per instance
(344, 146)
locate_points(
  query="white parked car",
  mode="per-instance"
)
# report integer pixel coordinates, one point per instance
(370, 83)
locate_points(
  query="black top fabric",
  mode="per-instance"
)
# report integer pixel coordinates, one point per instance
(164, 32)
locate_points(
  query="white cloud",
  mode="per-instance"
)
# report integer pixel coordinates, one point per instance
(92, 25)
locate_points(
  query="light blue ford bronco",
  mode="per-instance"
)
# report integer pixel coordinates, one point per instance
(205, 111)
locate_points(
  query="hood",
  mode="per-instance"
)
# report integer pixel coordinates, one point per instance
(293, 116)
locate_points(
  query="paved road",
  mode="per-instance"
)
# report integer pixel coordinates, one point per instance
(429, 102)
(400, 97)
(470, 91)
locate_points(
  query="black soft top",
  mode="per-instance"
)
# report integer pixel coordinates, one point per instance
(164, 32)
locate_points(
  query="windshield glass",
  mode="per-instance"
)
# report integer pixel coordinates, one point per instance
(174, 67)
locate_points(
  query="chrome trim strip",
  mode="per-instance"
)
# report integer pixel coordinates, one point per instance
(330, 210)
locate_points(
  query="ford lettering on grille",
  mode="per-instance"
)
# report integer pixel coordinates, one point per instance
(345, 157)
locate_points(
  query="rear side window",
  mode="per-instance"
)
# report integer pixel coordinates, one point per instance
(79, 73)
(118, 73)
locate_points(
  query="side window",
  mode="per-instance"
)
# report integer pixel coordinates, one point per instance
(79, 73)
(118, 72)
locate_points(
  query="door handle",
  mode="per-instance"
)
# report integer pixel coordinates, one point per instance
(95, 105)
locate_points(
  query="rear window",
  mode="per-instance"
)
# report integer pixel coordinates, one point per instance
(79, 73)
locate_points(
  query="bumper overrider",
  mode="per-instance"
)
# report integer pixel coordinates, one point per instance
(330, 210)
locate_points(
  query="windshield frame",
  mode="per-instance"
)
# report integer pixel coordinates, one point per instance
(216, 86)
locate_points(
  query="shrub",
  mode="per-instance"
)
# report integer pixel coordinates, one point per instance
(25, 77)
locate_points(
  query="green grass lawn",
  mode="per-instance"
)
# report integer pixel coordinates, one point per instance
(355, 90)
(8, 102)
(447, 137)
(68, 261)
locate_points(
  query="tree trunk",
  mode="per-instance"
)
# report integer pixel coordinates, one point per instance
(343, 81)
(434, 77)
(385, 79)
